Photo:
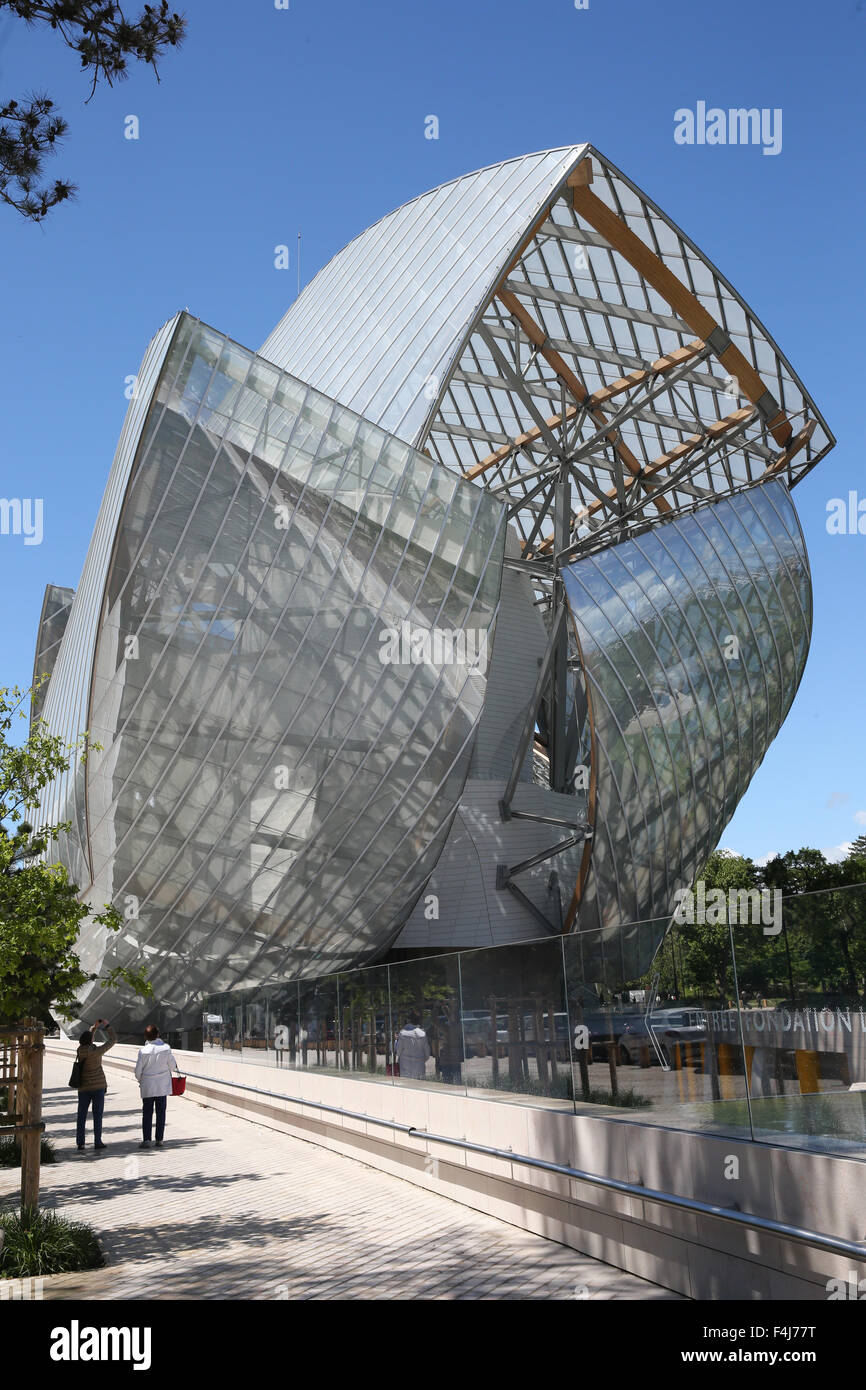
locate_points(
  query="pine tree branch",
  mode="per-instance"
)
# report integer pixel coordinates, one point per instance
(105, 40)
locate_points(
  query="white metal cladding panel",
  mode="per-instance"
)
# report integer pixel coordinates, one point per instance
(65, 705)
(379, 325)
(694, 638)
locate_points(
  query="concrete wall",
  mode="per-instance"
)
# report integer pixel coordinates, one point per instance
(699, 1256)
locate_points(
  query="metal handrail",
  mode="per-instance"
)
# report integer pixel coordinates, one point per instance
(833, 1244)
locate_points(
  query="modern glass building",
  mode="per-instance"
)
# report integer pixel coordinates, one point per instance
(463, 612)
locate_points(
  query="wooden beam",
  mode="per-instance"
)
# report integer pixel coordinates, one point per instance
(537, 336)
(715, 431)
(598, 398)
(528, 437)
(582, 175)
(658, 368)
(799, 442)
(622, 239)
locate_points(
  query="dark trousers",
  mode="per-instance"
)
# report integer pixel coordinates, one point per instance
(147, 1105)
(85, 1100)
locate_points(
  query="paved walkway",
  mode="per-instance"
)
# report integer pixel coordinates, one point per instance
(228, 1209)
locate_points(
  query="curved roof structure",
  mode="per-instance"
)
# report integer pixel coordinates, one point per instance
(379, 326)
(545, 307)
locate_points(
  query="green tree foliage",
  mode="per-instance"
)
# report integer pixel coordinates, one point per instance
(105, 41)
(825, 919)
(705, 947)
(858, 849)
(40, 910)
(820, 950)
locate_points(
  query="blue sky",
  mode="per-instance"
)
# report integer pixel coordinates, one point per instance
(271, 121)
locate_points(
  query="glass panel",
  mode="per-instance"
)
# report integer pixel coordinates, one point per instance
(662, 1047)
(318, 1040)
(769, 1043)
(515, 1023)
(283, 1013)
(365, 1025)
(801, 972)
(426, 1022)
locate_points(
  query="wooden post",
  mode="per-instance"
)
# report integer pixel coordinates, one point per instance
(494, 1041)
(807, 1071)
(710, 1062)
(727, 1085)
(696, 1084)
(30, 1050)
(676, 1050)
(553, 1041)
(583, 1056)
(611, 1062)
(749, 1051)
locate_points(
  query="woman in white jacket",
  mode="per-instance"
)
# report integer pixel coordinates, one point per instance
(153, 1070)
(413, 1049)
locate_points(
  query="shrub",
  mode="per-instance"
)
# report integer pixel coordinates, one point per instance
(10, 1151)
(40, 1242)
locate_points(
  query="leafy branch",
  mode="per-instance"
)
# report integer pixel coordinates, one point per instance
(105, 41)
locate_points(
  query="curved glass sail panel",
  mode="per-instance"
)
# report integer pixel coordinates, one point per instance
(56, 607)
(291, 665)
(65, 705)
(694, 637)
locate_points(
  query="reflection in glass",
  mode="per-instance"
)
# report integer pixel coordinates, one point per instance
(694, 637)
(272, 793)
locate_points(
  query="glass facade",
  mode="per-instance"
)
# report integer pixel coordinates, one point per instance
(66, 701)
(694, 637)
(278, 773)
(749, 1029)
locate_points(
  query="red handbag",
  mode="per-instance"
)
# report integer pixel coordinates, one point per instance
(178, 1085)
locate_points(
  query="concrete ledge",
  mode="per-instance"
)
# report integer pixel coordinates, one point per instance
(696, 1255)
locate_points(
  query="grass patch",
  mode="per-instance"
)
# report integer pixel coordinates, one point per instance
(627, 1099)
(36, 1243)
(560, 1088)
(10, 1151)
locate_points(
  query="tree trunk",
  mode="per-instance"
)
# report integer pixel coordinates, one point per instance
(30, 1052)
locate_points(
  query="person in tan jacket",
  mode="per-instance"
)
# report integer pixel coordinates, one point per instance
(92, 1084)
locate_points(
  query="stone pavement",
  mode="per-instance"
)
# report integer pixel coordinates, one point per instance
(228, 1209)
